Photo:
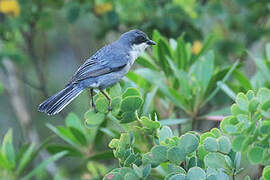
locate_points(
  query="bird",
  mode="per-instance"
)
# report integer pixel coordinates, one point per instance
(101, 71)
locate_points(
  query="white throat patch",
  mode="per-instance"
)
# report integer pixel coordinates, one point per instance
(137, 50)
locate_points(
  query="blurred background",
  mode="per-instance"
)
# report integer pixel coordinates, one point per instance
(43, 42)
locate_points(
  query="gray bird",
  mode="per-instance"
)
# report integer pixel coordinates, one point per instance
(105, 68)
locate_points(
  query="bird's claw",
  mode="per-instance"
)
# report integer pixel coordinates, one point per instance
(109, 108)
(95, 110)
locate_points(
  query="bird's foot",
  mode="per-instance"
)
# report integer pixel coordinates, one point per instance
(109, 108)
(94, 107)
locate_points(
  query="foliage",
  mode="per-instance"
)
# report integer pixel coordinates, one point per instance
(188, 80)
(249, 126)
(13, 163)
(206, 156)
(189, 156)
(177, 84)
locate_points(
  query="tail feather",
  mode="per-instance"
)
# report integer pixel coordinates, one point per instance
(57, 102)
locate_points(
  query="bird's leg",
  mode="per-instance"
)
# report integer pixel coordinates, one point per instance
(108, 98)
(92, 100)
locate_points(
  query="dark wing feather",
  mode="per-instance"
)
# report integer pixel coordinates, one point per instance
(106, 60)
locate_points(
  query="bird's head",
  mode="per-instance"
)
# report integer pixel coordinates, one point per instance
(136, 39)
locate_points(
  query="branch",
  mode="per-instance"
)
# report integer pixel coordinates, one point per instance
(29, 40)
(212, 118)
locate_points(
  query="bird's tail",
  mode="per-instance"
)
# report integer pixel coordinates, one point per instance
(57, 102)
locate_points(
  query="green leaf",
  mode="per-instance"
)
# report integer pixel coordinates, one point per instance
(72, 120)
(1, 88)
(149, 100)
(138, 170)
(267, 50)
(215, 160)
(139, 80)
(115, 90)
(183, 79)
(226, 89)
(130, 159)
(224, 145)
(71, 151)
(159, 153)
(172, 168)
(220, 84)
(236, 110)
(115, 104)
(105, 155)
(266, 172)
(148, 159)
(79, 136)
(206, 135)
(263, 95)
(8, 149)
(146, 62)
(189, 142)
(45, 163)
(131, 103)
(142, 171)
(163, 52)
(262, 68)
(26, 158)
(265, 127)
(93, 119)
(237, 160)
(131, 92)
(102, 105)
(128, 117)
(196, 173)
(181, 53)
(113, 176)
(266, 105)
(164, 133)
(65, 134)
(250, 94)
(204, 68)
(202, 152)
(146, 171)
(242, 101)
(156, 78)
(156, 36)
(178, 177)
(131, 176)
(216, 132)
(253, 105)
(242, 79)
(210, 144)
(255, 155)
(176, 155)
(149, 123)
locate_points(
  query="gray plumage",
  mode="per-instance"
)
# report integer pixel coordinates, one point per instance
(102, 70)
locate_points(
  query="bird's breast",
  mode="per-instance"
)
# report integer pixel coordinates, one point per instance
(136, 51)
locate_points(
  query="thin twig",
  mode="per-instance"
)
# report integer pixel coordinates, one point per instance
(29, 40)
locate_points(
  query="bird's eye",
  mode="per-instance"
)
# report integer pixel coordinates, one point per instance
(140, 39)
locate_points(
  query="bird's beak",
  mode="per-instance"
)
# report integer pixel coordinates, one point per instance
(150, 42)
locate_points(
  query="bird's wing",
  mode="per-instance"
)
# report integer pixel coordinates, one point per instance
(105, 61)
